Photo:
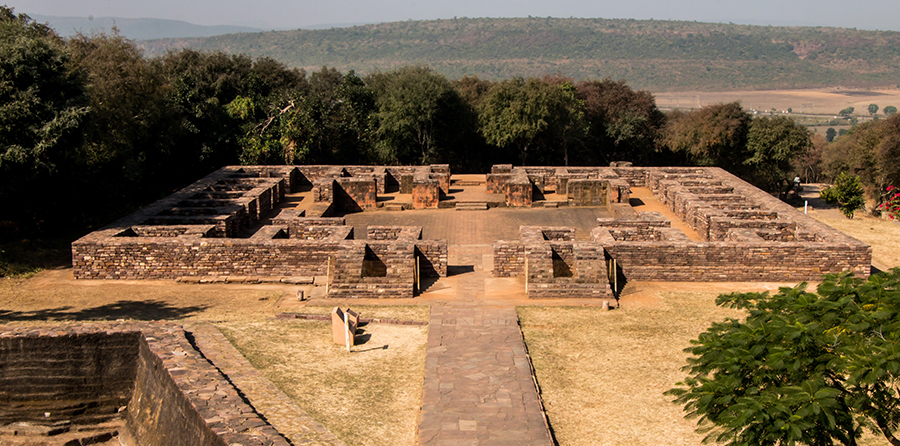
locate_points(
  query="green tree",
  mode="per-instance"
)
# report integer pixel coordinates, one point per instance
(890, 110)
(43, 106)
(830, 134)
(623, 124)
(873, 108)
(529, 118)
(127, 130)
(715, 135)
(870, 150)
(772, 144)
(847, 111)
(847, 192)
(802, 368)
(416, 117)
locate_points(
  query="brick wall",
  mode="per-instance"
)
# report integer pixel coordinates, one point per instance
(748, 261)
(509, 258)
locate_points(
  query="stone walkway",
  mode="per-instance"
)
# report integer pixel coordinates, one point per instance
(279, 410)
(479, 387)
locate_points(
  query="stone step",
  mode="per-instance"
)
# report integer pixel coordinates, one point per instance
(470, 206)
(393, 207)
(465, 183)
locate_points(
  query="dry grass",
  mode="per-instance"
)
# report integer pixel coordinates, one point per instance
(368, 397)
(418, 313)
(603, 373)
(883, 235)
(52, 296)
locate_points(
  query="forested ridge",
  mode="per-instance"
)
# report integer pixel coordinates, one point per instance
(91, 129)
(650, 54)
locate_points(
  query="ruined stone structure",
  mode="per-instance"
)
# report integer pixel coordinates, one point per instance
(745, 234)
(128, 383)
(214, 228)
(232, 226)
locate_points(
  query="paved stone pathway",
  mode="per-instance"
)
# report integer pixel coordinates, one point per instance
(479, 389)
(278, 409)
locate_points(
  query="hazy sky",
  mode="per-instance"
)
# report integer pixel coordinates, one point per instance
(270, 14)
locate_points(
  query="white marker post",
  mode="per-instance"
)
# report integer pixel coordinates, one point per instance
(805, 206)
(346, 331)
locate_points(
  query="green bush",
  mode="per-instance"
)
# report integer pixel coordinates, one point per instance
(847, 193)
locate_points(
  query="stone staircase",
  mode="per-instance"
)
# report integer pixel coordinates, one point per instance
(471, 206)
(467, 183)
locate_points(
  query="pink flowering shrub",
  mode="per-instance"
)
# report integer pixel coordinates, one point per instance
(892, 205)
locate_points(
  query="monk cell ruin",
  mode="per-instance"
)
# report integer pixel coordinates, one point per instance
(301, 224)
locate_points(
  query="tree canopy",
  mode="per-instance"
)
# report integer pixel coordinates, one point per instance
(803, 368)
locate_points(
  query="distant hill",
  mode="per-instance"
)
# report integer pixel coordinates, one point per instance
(136, 29)
(652, 54)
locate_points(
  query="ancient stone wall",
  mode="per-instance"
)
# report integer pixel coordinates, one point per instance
(509, 258)
(426, 191)
(98, 257)
(749, 260)
(145, 374)
(83, 378)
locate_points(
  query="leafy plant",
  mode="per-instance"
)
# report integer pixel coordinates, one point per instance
(803, 368)
(847, 193)
(847, 111)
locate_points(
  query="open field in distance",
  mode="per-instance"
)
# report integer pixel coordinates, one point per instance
(816, 101)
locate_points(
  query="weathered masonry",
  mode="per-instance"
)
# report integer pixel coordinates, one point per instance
(214, 227)
(128, 383)
(746, 235)
(237, 224)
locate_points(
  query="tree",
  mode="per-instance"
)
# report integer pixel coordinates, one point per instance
(623, 124)
(715, 135)
(890, 110)
(772, 144)
(847, 193)
(847, 111)
(830, 134)
(529, 117)
(870, 150)
(802, 368)
(43, 106)
(416, 115)
(873, 108)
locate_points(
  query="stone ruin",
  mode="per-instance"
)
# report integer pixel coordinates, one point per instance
(215, 227)
(119, 383)
(228, 227)
(145, 383)
(744, 234)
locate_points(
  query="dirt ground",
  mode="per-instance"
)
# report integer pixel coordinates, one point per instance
(817, 101)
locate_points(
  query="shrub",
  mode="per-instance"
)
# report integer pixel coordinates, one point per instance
(847, 193)
(892, 205)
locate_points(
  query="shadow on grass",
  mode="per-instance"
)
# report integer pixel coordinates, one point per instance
(124, 309)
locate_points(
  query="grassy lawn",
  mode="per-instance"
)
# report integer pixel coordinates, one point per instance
(370, 396)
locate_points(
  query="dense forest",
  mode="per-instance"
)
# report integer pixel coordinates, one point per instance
(91, 129)
(651, 54)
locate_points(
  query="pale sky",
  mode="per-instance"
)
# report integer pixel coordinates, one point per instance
(286, 14)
